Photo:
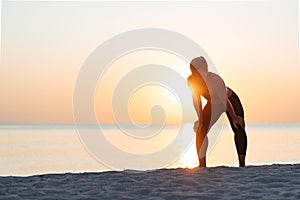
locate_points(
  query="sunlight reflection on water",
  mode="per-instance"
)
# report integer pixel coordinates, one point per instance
(45, 149)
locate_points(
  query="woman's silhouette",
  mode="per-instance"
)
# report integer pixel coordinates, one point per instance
(219, 99)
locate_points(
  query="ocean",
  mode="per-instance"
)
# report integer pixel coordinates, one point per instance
(41, 149)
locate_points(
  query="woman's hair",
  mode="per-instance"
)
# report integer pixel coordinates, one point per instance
(199, 64)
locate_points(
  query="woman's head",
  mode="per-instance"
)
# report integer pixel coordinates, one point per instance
(199, 65)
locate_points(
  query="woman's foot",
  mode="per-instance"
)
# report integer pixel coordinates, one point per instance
(242, 160)
(202, 162)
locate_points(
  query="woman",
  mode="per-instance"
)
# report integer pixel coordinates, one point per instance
(219, 99)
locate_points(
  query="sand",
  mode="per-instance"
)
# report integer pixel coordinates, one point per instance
(252, 182)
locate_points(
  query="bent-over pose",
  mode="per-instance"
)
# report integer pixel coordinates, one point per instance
(219, 99)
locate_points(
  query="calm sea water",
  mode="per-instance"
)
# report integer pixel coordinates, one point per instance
(40, 149)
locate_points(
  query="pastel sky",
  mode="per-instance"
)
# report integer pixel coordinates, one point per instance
(253, 44)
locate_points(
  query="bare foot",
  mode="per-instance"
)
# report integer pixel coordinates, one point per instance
(202, 162)
(242, 160)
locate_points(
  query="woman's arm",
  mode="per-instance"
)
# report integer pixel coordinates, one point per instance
(196, 97)
(236, 120)
(197, 104)
(198, 107)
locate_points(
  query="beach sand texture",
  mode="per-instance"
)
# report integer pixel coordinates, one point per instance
(253, 182)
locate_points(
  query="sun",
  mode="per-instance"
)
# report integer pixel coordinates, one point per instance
(143, 101)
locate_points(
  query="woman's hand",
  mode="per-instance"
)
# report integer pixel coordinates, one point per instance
(196, 126)
(238, 121)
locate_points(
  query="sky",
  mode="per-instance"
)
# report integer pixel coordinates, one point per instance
(253, 44)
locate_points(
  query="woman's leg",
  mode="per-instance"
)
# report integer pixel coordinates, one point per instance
(209, 119)
(240, 137)
(201, 137)
(201, 145)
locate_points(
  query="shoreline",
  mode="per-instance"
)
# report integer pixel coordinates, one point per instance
(144, 171)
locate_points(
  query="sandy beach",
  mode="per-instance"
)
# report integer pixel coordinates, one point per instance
(252, 182)
(99, 100)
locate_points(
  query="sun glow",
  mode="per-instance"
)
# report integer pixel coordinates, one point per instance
(147, 96)
(154, 99)
(189, 159)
